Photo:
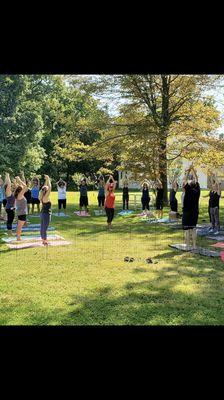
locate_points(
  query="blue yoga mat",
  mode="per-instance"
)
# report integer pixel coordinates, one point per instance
(51, 228)
(125, 212)
(14, 226)
(25, 238)
(61, 215)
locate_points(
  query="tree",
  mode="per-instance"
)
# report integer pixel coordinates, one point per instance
(171, 108)
(73, 122)
(21, 125)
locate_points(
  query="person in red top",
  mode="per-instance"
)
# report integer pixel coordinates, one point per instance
(110, 199)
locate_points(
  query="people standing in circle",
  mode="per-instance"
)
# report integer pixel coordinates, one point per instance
(145, 199)
(21, 205)
(125, 195)
(173, 200)
(101, 193)
(10, 203)
(2, 194)
(159, 198)
(110, 200)
(83, 200)
(35, 194)
(191, 206)
(45, 214)
(62, 187)
(214, 196)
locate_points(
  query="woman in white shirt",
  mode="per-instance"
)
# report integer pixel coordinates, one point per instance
(62, 186)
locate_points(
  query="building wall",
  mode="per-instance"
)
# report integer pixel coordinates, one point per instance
(202, 178)
(132, 184)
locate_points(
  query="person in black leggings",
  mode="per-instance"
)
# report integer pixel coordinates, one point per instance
(145, 196)
(46, 209)
(125, 195)
(191, 206)
(10, 203)
(173, 200)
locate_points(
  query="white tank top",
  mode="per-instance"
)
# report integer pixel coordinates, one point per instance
(61, 193)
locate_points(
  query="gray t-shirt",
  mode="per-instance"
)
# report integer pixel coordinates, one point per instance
(21, 206)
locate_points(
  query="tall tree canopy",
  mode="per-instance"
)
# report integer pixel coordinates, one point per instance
(165, 117)
(57, 125)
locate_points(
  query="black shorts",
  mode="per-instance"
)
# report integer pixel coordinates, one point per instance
(159, 205)
(61, 202)
(35, 201)
(22, 218)
(190, 219)
(101, 200)
(83, 201)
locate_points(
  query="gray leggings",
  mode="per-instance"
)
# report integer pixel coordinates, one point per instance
(45, 220)
(214, 212)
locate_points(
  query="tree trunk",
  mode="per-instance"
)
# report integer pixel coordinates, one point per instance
(164, 134)
(163, 166)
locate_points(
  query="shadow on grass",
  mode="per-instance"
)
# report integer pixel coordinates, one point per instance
(145, 304)
(158, 300)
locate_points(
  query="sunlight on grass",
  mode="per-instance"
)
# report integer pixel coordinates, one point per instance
(88, 283)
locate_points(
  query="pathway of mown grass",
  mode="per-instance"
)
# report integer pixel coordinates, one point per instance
(88, 283)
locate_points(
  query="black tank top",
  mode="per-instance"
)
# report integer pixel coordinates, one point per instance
(46, 208)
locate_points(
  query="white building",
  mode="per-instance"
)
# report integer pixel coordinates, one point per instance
(203, 177)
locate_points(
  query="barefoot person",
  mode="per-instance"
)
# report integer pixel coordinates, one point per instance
(145, 199)
(213, 206)
(2, 194)
(101, 192)
(46, 209)
(125, 195)
(173, 200)
(190, 206)
(83, 200)
(159, 198)
(10, 203)
(214, 196)
(21, 205)
(110, 200)
(35, 195)
(62, 187)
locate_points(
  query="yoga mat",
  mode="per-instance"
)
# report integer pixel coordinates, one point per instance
(218, 244)
(60, 215)
(98, 213)
(51, 228)
(31, 238)
(209, 234)
(141, 215)
(30, 229)
(38, 244)
(14, 226)
(125, 212)
(199, 250)
(82, 214)
(218, 238)
(34, 215)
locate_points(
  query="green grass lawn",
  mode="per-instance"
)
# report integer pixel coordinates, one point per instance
(88, 282)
